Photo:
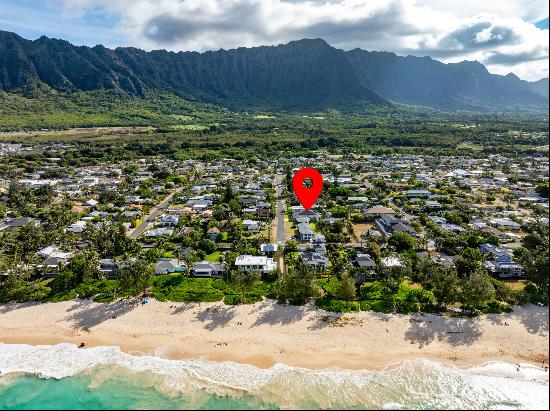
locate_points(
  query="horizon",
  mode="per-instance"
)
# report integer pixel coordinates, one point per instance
(505, 36)
(270, 45)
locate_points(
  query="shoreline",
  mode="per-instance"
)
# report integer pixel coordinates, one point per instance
(266, 333)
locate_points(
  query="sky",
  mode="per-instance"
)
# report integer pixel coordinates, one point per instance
(505, 35)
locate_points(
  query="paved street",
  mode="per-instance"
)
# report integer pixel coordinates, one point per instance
(280, 216)
(281, 208)
(153, 214)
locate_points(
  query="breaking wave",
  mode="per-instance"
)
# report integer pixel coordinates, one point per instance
(410, 384)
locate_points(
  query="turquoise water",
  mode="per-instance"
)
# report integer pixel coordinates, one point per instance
(65, 377)
(31, 392)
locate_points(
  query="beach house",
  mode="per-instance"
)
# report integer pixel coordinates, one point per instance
(262, 264)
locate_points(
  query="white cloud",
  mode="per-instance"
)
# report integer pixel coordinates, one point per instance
(499, 33)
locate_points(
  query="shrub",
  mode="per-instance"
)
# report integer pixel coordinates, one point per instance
(62, 296)
(495, 307)
(64, 281)
(337, 306)
(232, 299)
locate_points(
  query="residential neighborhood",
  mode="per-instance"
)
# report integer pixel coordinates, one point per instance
(207, 218)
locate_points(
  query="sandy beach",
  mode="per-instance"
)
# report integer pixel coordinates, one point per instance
(266, 333)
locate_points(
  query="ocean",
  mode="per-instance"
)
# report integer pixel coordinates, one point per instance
(66, 377)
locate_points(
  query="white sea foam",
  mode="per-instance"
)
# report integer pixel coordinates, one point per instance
(410, 384)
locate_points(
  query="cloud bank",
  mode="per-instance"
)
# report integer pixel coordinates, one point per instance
(499, 33)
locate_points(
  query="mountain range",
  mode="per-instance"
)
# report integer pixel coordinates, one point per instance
(303, 75)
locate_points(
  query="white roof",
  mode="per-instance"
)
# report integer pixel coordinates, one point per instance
(251, 260)
(391, 262)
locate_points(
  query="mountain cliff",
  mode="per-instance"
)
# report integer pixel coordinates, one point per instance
(304, 75)
(424, 81)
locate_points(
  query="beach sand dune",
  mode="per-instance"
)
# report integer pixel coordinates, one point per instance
(266, 333)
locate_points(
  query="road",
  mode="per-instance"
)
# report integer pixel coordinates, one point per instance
(153, 214)
(281, 209)
(280, 216)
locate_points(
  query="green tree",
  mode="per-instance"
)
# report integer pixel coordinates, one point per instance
(135, 276)
(444, 285)
(208, 246)
(85, 265)
(470, 260)
(390, 279)
(228, 193)
(477, 289)
(291, 245)
(402, 241)
(346, 289)
(298, 284)
(244, 280)
(66, 280)
(15, 285)
(340, 265)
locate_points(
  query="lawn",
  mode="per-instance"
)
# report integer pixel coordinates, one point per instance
(180, 288)
(214, 257)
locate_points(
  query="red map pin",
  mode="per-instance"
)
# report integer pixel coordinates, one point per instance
(307, 195)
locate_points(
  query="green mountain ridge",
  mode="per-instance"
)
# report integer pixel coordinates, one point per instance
(304, 75)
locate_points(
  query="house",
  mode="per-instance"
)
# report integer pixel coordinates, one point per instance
(185, 231)
(77, 227)
(502, 263)
(269, 249)
(504, 269)
(418, 193)
(207, 269)
(14, 223)
(488, 230)
(331, 220)
(365, 268)
(437, 219)
(168, 220)
(91, 203)
(377, 211)
(391, 261)
(299, 211)
(251, 226)
(96, 215)
(131, 214)
(159, 232)
(388, 224)
(452, 228)
(213, 233)
(433, 205)
(169, 265)
(305, 232)
(255, 263)
(263, 209)
(319, 239)
(505, 223)
(444, 259)
(89, 181)
(51, 265)
(50, 251)
(133, 199)
(314, 259)
(496, 252)
(364, 261)
(320, 248)
(108, 267)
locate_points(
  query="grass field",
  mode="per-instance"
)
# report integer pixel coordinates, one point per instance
(214, 257)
